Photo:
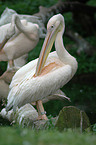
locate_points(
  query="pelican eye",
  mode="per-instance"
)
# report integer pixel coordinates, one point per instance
(52, 26)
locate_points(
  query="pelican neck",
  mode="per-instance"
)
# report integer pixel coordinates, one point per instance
(60, 49)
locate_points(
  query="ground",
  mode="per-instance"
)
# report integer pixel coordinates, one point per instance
(21, 136)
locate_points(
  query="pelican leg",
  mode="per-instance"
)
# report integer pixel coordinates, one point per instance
(11, 64)
(41, 112)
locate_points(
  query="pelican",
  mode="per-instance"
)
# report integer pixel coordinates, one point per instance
(42, 77)
(6, 77)
(17, 38)
(5, 80)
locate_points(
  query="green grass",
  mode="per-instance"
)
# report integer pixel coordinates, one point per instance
(20, 136)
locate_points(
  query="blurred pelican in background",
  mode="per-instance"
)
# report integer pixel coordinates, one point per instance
(6, 77)
(17, 38)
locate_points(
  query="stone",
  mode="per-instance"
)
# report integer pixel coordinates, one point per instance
(72, 117)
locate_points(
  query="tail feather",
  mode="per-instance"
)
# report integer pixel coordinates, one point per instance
(10, 99)
(9, 107)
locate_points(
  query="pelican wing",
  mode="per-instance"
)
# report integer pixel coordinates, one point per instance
(36, 88)
(3, 34)
(58, 95)
(27, 70)
(22, 73)
(7, 31)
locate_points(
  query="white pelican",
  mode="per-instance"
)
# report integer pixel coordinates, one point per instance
(25, 113)
(15, 45)
(5, 80)
(6, 77)
(42, 77)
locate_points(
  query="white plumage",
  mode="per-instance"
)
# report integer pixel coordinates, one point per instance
(25, 38)
(26, 88)
(58, 69)
(6, 77)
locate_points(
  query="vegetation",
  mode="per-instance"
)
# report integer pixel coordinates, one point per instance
(26, 136)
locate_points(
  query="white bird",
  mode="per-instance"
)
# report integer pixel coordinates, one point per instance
(15, 45)
(42, 77)
(24, 114)
(6, 77)
(5, 80)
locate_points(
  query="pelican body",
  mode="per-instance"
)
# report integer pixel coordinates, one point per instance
(25, 39)
(6, 77)
(42, 77)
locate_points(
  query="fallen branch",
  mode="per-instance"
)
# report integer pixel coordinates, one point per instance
(62, 7)
(82, 44)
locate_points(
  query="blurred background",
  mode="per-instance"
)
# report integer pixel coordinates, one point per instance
(79, 40)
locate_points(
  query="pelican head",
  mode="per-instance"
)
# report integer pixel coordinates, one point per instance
(55, 25)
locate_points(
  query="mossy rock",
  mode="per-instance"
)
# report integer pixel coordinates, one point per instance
(72, 117)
